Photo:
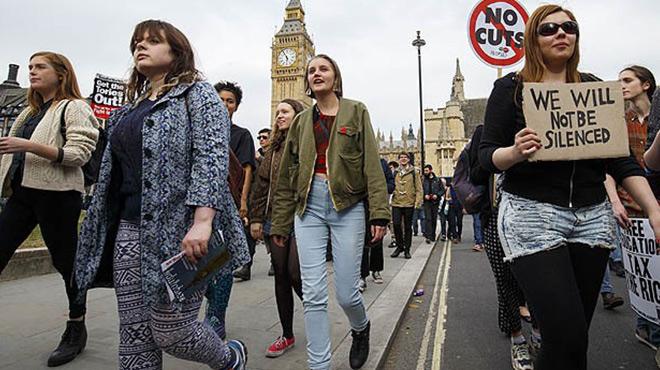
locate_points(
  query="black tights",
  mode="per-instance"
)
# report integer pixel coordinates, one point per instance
(561, 286)
(56, 213)
(287, 276)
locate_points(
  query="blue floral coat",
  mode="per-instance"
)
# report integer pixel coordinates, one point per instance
(185, 165)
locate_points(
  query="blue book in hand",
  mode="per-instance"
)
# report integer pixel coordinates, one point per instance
(185, 279)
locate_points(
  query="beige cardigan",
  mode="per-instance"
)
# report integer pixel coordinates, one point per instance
(41, 173)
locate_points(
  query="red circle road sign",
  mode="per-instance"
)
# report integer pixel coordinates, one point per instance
(496, 29)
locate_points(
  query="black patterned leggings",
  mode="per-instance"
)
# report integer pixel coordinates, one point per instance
(146, 331)
(509, 295)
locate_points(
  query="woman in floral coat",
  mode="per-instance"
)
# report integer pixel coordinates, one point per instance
(163, 177)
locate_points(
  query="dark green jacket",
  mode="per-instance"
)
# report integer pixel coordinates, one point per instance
(353, 165)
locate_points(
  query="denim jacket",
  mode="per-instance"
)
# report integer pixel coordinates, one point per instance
(185, 158)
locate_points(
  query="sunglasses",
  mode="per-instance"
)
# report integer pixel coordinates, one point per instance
(549, 29)
(262, 137)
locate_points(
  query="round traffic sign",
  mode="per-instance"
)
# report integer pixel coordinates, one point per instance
(496, 29)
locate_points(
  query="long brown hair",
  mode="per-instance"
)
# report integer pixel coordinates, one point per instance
(68, 86)
(336, 84)
(534, 65)
(182, 69)
(644, 75)
(277, 136)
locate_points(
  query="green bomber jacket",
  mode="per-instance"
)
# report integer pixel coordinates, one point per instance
(353, 167)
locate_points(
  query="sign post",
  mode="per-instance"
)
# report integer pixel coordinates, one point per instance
(496, 29)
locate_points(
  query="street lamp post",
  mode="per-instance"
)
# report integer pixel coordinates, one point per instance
(418, 43)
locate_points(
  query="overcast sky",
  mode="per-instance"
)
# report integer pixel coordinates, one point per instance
(370, 39)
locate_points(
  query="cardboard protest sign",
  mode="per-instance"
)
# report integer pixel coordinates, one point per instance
(109, 94)
(576, 120)
(642, 266)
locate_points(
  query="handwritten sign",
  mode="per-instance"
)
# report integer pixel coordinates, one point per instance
(577, 120)
(642, 265)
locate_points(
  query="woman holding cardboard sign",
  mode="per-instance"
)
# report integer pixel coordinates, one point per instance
(554, 221)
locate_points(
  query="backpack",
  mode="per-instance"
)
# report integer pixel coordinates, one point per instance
(91, 168)
(236, 178)
(468, 194)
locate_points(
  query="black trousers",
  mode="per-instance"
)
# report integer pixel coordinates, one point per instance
(561, 286)
(402, 218)
(443, 223)
(431, 218)
(372, 254)
(252, 245)
(455, 222)
(57, 214)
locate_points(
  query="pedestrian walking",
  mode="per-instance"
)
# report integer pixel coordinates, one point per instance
(328, 170)
(433, 190)
(558, 261)
(638, 84)
(454, 214)
(162, 188)
(283, 260)
(242, 147)
(372, 254)
(407, 196)
(40, 172)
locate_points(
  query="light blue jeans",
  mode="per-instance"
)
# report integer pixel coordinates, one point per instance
(346, 230)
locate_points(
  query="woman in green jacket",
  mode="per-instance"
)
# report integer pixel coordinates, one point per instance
(330, 179)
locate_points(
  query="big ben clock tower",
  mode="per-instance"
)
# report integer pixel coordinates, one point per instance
(292, 48)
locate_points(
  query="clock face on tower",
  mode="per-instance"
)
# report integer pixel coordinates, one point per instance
(286, 57)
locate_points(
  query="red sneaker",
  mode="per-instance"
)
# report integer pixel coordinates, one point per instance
(279, 346)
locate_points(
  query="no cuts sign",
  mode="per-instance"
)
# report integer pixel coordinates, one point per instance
(496, 29)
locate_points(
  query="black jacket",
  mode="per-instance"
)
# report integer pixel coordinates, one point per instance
(563, 183)
(432, 185)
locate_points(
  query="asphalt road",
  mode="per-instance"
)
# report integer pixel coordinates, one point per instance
(468, 337)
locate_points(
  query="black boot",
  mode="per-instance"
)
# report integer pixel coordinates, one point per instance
(244, 273)
(406, 253)
(360, 347)
(396, 252)
(72, 344)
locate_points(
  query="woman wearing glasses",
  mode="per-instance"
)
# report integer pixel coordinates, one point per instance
(555, 223)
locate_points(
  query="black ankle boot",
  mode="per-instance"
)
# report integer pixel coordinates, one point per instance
(360, 347)
(396, 252)
(72, 344)
(406, 253)
(244, 273)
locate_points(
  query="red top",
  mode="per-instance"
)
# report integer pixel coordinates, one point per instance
(322, 129)
(637, 132)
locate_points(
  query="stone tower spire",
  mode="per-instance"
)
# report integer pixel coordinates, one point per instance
(457, 90)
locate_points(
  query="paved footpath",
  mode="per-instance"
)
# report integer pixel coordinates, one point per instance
(34, 314)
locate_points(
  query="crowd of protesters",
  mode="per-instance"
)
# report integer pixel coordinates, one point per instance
(315, 191)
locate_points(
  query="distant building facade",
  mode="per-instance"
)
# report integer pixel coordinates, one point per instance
(446, 129)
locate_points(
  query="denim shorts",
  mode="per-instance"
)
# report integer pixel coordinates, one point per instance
(528, 226)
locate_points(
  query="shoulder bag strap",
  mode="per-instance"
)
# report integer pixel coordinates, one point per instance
(63, 121)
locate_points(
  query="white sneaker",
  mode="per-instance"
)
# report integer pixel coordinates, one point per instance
(520, 359)
(377, 278)
(363, 285)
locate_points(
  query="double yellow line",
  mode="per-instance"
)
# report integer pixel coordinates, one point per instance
(437, 313)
